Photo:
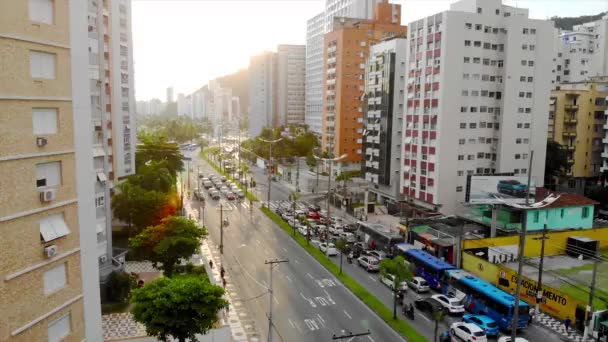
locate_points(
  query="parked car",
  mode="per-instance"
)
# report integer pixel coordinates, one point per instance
(484, 322)
(328, 249)
(370, 263)
(419, 284)
(389, 280)
(215, 195)
(240, 194)
(468, 332)
(380, 255)
(451, 303)
(218, 185)
(428, 305)
(230, 195)
(224, 190)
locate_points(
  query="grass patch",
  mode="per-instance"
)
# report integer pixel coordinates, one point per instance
(249, 195)
(386, 314)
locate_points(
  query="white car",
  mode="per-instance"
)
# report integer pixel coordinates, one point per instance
(508, 339)
(335, 230)
(380, 255)
(453, 304)
(303, 230)
(468, 332)
(328, 249)
(349, 237)
(389, 280)
(224, 190)
(419, 284)
(371, 264)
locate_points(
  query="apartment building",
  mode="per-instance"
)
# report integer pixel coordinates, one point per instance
(477, 100)
(290, 84)
(316, 27)
(262, 92)
(48, 251)
(383, 117)
(112, 92)
(576, 121)
(170, 92)
(345, 53)
(604, 155)
(582, 52)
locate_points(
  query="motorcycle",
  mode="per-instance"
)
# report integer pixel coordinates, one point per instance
(349, 258)
(408, 311)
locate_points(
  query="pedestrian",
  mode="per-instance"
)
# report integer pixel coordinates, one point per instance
(227, 309)
(224, 282)
(567, 323)
(222, 272)
(210, 263)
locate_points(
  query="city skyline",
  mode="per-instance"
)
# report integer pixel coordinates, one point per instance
(155, 44)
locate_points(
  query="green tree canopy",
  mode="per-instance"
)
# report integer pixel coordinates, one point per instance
(137, 206)
(299, 142)
(400, 271)
(175, 238)
(154, 175)
(556, 162)
(178, 307)
(154, 147)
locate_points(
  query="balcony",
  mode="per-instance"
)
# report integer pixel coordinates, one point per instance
(331, 60)
(569, 147)
(569, 134)
(331, 71)
(571, 106)
(570, 120)
(330, 123)
(331, 81)
(359, 141)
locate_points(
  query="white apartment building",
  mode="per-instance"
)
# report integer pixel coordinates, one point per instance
(477, 99)
(113, 108)
(582, 52)
(383, 117)
(169, 95)
(290, 84)
(236, 108)
(316, 27)
(262, 89)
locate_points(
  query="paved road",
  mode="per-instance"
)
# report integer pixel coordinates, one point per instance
(309, 303)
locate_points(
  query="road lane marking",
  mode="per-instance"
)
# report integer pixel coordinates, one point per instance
(291, 323)
(321, 300)
(296, 261)
(288, 278)
(347, 315)
(310, 301)
(424, 316)
(329, 299)
(311, 324)
(310, 276)
(372, 278)
(275, 300)
(298, 327)
(284, 249)
(370, 338)
(321, 320)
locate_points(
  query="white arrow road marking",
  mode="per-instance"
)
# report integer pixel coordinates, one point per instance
(291, 323)
(329, 282)
(321, 300)
(297, 261)
(347, 315)
(320, 320)
(288, 278)
(310, 301)
(311, 324)
(329, 299)
(320, 283)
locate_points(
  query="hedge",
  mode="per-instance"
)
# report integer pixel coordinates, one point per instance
(386, 314)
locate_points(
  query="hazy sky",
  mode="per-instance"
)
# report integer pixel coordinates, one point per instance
(185, 43)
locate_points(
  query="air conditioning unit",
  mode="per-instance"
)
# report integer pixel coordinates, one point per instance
(103, 259)
(47, 195)
(41, 141)
(51, 251)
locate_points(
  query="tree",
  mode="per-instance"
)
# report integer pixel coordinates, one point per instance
(155, 147)
(139, 207)
(341, 245)
(556, 162)
(174, 239)
(178, 307)
(118, 286)
(310, 160)
(438, 317)
(345, 176)
(400, 271)
(154, 175)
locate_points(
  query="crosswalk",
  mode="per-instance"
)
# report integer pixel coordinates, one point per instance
(286, 205)
(233, 205)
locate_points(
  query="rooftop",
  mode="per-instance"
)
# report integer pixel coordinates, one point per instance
(570, 200)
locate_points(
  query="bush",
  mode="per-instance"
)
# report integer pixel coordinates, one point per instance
(118, 287)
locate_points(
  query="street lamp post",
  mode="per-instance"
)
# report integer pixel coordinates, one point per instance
(270, 164)
(331, 161)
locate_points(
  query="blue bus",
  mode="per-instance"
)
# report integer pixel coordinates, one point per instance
(480, 297)
(427, 266)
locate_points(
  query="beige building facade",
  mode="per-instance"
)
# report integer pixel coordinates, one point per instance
(48, 270)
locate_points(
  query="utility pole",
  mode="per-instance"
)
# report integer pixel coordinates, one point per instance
(522, 246)
(221, 228)
(328, 194)
(589, 311)
(297, 174)
(350, 335)
(272, 263)
(539, 283)
(270, 165)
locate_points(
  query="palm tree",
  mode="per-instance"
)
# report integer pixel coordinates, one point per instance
(438, 317)
(400, 271)
(341, 246)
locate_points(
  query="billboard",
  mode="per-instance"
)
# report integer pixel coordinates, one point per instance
(492, 189)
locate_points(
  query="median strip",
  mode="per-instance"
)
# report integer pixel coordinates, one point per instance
(249, 195)
(386, 314)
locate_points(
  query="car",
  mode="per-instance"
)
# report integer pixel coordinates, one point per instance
(380, 255)
(302, 229)
(468, 332)
(484, 322)
(335, 230)
(240, 194)
(351, 228)
(349, 237)
(201, 175)
(328, 249)
(428, 305)
(313, 215)
(359, 248)
(198, 193)
(223, 179)
(508, 339)
(224, 190)
(419, 284)
(234, 188)
(207, 185)
(389, 280)
(370, 263)
(335, 219)
(314, 207)
(218, 185)
(230, 195)
(215, 195)
(451, 303)
(204, 179)
(195, 192)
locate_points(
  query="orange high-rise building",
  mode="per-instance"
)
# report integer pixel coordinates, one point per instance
(345, 50)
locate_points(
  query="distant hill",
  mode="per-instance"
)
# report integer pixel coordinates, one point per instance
(566, 23)
(239, 82)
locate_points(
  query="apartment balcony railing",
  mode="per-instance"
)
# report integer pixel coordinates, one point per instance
(570, 106)
(569, 134)
(570, 120)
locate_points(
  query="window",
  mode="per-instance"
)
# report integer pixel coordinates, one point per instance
(41, 11)
(465, 93)
(527, 125)
(477, 43)
(530, 79)
(48, 174)
(530, 63)
(471, 157)
(523, 62)
(525, 31)
(461, 157)
(44, 120)
(42, 64)
(536, 215)
(532, 47)
(522, 94)
(467, 59)
(478, 27)
(524, 46)
(474, 92)
(532, 31)
(480, 155)
(528, 95)
(467, 43)
(518, 156)
(461, 141)
(53, 227)
(459, 189)
(524, 156)
(522, 78)
(476, 60)
(463, 109)
(473, 109)
(463, 125)
(482, 124)
(585, 212)
(465, 76)
(472, 125)
(59, 329)
(468, 26)
(54, 279)
(99, 201)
